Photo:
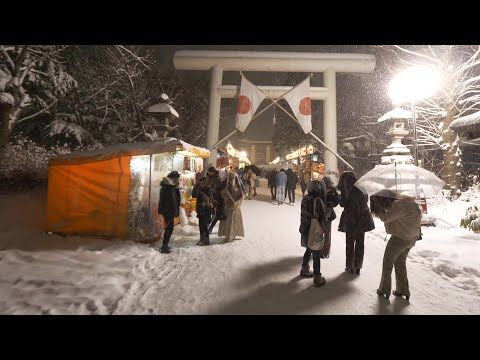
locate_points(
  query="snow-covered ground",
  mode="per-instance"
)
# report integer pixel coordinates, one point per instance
(49, 274)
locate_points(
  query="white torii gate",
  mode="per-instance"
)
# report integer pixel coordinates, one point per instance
(329, 64)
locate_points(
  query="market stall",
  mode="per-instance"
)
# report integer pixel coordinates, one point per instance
(231, 157)
(307, 159)
(114, 191)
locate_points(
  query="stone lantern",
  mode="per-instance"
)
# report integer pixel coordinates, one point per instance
(397, 152)
(166, 115)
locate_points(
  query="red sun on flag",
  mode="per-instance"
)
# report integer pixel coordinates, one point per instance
(244, 104)
(305, 106)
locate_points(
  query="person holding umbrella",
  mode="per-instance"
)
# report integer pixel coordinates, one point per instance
(402, 218)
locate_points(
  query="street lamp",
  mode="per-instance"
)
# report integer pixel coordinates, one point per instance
(413, 84)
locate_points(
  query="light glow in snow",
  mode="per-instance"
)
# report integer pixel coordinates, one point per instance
(413, 84)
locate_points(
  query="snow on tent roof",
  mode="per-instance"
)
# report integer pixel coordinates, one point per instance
(467, 123)
(133, 149)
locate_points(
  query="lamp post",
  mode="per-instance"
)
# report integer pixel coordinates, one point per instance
(411, 85)
(414, 124)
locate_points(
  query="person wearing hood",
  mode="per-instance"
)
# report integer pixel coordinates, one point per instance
(204, 208)
(355, 221)
(315, 190)
(233, 195)
(168, 206)
(402, 218)
(332, 200)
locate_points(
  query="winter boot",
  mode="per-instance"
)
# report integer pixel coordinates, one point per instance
(201, 240)
(383, 294)
(166, 250)
(205, 241)
(319, 280)
(305, 272)
(394, 292)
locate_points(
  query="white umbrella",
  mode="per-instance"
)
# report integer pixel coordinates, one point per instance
(403, 178)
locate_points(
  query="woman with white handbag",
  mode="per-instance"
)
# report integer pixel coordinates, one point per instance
(313, 224)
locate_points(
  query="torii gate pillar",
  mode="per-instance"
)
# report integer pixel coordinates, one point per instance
(213, 126)
(330, 124)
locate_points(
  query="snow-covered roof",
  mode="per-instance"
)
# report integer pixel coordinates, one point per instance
(467, 123)
(397, 113)
(162, 108)
(355, 138)
(132, 149)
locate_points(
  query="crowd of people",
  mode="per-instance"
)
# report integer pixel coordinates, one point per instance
(221, 200)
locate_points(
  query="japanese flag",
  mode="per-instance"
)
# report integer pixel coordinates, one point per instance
(248, 101)
(301, 104)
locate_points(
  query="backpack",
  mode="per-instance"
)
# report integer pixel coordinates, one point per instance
(316, 237)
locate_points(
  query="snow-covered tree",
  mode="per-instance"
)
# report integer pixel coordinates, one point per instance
(116, 84)
(32, 80)
(459, 95)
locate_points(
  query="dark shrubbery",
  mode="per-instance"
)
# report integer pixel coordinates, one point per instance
(24, 164)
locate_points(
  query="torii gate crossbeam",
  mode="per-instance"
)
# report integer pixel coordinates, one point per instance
(329, 64)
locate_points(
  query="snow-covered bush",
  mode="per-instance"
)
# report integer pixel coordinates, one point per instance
(24, 165)
(471, 220)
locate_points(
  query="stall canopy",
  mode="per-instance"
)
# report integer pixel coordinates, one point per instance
(88, 192)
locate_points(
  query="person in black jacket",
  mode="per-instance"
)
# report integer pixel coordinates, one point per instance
(316, 190)
(355, 221)
(204, 208)
(292, 180)
(272, 183)
(168, 206)
(333, 198)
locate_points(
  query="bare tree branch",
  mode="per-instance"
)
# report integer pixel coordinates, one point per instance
(8, 59)
(37, 113)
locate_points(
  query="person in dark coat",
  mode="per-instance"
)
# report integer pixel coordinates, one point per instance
(292, 179)
(216, 184)
(272, 183)
(355, 221)
(168, 206)
(315, 189)
(204, 208)
(332, 200)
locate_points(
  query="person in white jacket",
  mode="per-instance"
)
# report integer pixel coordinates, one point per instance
(402, 218)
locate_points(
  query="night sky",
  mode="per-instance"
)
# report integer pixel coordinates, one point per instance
(357, 94)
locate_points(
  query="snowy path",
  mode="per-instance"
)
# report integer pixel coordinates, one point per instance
(42, 274)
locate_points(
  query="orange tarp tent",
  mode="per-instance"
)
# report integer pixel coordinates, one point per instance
(88, 192)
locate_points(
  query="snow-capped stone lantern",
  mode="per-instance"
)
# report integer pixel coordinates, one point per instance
(165, 113)
(397, 152)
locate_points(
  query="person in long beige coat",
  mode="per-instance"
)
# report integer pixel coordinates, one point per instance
(402, 218)
(233, 195)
